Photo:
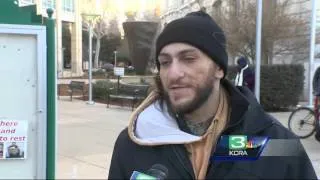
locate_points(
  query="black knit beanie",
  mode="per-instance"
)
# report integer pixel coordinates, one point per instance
(199, 30)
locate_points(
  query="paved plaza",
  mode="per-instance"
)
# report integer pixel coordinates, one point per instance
(86, 135)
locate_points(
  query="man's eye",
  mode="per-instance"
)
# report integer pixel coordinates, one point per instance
(163, 63)
(189, 58)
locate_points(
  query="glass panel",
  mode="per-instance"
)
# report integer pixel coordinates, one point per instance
(26, 2)
(68, 5)
(49, 4)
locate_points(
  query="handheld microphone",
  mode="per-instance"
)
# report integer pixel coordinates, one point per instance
(156, 172)
(139, 176)
(159, 171)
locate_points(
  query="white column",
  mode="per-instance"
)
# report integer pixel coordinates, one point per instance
(59, 37)
(76, 41)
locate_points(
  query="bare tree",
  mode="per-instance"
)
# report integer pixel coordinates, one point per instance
(283, 33)
(101, 28)
(99, 31)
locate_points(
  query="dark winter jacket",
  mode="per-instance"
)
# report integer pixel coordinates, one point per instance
(247, 118)
(316, 82)
(249, 78)
(316, 92)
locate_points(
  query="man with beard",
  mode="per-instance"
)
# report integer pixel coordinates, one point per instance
(179, 124)
(14, 151)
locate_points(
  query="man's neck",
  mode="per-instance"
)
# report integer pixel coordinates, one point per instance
(199, 120)
(199, 128)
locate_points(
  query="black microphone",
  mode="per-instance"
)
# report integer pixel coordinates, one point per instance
(159, 171)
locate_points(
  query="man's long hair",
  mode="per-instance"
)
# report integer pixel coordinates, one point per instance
(158, 87)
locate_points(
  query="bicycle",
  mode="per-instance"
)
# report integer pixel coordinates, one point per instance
(304, 120)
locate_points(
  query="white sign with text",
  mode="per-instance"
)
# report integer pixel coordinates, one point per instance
(118, 71)
(13, 139)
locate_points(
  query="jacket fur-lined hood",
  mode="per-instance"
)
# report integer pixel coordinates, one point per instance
(150, 125)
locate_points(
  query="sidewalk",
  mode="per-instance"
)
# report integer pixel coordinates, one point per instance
(67, 81)
(86, 135)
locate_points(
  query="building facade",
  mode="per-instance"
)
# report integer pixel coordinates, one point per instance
(300, 9)
(64, 11)
(70, 12)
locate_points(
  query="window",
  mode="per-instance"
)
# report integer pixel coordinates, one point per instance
(26, 2)
(49, 4)
(68, 5)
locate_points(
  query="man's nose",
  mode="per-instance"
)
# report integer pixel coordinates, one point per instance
(175, 71)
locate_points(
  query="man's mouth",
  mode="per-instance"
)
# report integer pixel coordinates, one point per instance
(178, 87)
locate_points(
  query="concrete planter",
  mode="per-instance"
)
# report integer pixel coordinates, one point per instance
(140, 36)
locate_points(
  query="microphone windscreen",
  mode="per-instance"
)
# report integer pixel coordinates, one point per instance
(159, 171)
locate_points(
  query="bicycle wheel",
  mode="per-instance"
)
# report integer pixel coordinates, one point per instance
(302, 122)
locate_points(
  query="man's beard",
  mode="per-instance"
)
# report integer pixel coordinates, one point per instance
(201, 96)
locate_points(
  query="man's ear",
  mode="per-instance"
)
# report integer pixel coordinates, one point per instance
(219, 72)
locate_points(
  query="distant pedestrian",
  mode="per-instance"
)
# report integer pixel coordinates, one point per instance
(316, 92)
(245, 75)
(316, 82)
(317, 135)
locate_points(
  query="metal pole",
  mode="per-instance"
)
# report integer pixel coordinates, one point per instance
(312, 45)
(115, 58)
(258, 49)
(51, 97)
(90, 67)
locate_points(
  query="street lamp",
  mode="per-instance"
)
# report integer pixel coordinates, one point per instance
(90, 18)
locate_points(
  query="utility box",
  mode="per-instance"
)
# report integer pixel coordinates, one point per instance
(27, 93)
(23, 102)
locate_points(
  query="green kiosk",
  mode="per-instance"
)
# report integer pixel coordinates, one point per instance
(28, 93)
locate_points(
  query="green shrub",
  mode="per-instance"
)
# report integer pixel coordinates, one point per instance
(110, 75)
(128, 72)
(100, 88)
(99, 73)
(280, 87)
